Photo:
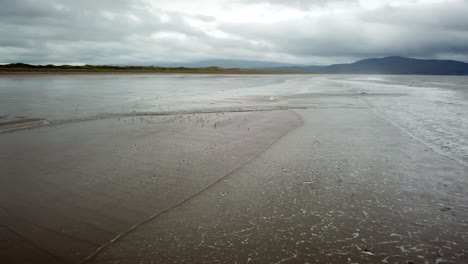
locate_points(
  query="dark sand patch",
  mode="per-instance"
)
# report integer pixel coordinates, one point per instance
(8, 125)
(21, 121)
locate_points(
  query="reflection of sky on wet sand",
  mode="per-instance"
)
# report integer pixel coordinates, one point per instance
(433, 109)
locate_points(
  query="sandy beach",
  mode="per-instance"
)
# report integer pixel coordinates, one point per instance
(78, 186)
(259, 169)
(321, 194)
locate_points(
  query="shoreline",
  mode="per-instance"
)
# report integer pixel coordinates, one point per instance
(71, 73)
(163, 72)
(6, 71)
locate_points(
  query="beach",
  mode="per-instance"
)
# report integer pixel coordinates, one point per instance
(324, 193)
(234, 169)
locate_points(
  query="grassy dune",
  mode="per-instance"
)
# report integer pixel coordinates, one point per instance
(26, 68)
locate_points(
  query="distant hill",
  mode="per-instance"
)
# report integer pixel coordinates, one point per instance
(390, 65)
(28, 68)
(227, 63)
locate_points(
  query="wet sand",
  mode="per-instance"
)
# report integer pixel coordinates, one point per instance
(346, 187)
(217, 169)
(67, 190)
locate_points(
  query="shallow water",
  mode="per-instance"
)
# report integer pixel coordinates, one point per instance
(432, 109)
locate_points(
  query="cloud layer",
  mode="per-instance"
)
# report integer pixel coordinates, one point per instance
(306, 32)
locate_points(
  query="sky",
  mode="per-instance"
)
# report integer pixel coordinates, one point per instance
(314, 32)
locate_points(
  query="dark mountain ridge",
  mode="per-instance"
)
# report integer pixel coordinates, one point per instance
(391, 65)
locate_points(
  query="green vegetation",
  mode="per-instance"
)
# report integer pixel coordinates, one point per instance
(27, 68)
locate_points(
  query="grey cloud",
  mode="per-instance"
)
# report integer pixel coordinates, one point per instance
(445, 16)
(425, 31)
(83, 31)
(121, 31)
(301, 4)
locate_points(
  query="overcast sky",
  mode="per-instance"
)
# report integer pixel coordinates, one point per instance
(295, 31)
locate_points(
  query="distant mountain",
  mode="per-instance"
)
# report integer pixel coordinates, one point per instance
(386, 65)
(390, 65)
(226, 63)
